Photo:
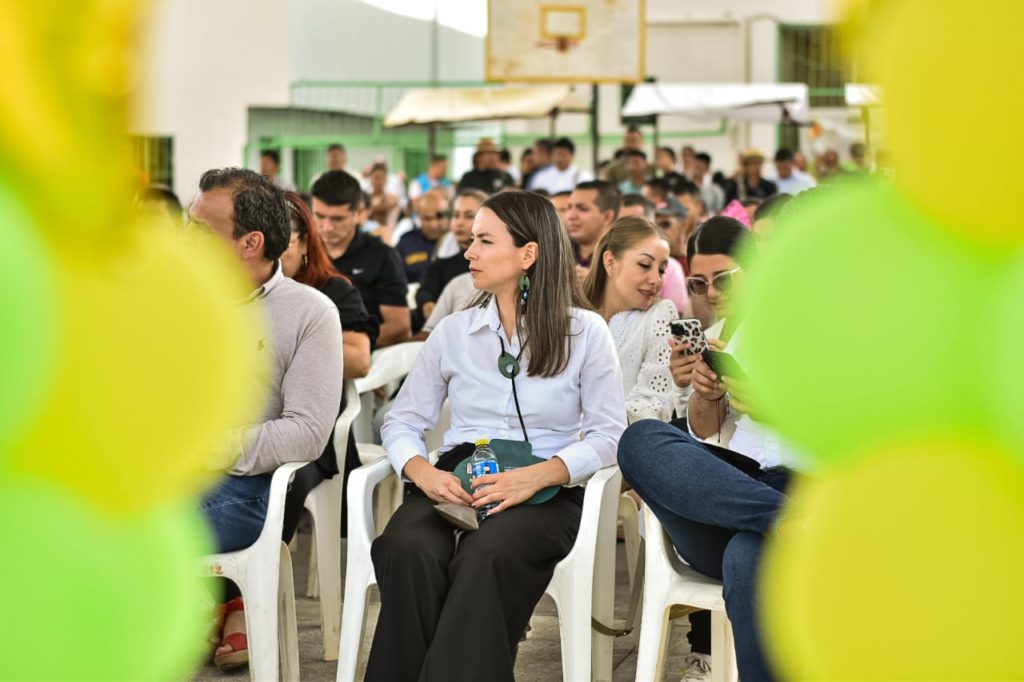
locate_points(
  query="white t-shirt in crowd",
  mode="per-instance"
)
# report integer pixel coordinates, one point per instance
(554, 181)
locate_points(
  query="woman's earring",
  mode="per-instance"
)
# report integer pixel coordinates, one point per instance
(524, 289)
(305, 260)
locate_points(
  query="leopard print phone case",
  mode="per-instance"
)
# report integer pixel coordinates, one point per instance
(689, 329)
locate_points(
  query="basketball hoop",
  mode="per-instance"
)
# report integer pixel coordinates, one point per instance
(560, 43)
(592, 41)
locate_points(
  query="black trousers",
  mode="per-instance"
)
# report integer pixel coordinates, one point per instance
(453, 611)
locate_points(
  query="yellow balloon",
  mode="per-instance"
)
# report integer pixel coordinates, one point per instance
(69, 68)
(157, 360)
(904, 566)
(947, 71)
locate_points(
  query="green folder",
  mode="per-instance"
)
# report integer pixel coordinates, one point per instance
(511, 454)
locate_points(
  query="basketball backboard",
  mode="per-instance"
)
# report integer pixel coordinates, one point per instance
(566, 41)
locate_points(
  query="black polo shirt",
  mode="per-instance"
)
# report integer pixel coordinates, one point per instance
(674, 181)
(437, 276)
(738, 189)
(490, 181)
(376, 270)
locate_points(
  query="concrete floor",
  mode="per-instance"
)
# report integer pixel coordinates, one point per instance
(539, 657)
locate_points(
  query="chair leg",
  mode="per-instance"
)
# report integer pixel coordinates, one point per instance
(654, 628)
(312, 578)
(353, 619)
(327, 533)
(603, 602)
(630, 517)
(288, 624)
(261, 618)
(574, 611)
(723, 649)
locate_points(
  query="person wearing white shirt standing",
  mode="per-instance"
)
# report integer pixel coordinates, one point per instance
(529, 361)
(791, 180)
(562, 175)
(719, 488)
(624, 286)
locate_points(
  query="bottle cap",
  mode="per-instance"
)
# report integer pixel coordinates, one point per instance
(483, 441)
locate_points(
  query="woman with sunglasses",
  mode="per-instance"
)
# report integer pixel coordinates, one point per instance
(711, 262)
(719, 485)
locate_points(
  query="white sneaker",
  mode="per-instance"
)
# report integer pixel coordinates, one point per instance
(698, 668)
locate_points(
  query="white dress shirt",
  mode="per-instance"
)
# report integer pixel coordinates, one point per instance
(795, 183)
(554, 181)
(743, 434)
(459, 361)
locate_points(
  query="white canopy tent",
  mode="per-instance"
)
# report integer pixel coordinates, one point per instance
(750, 102)
(861, 95)
(453, 105)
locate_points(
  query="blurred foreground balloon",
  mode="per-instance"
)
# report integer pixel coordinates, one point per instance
(864, 323)
(947, 71)
(93, 597)
(68, 70)
(907, 568)
(1000, 355)
(28, 314)
(157, 360)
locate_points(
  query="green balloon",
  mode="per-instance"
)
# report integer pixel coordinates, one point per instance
(28, 319)
(92, 597)
(862, 324)
(1000, 357)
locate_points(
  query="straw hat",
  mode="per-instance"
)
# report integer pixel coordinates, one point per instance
(752, 154)
(486, 144)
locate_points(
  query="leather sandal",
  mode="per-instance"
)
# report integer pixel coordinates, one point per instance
(239, 643)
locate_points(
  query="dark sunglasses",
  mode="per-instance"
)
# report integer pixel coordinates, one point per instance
(698, 286)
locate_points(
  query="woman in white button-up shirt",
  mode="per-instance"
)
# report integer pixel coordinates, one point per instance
(455, 609)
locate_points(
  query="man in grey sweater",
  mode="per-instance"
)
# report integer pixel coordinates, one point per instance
(302, 335)
(302, 389)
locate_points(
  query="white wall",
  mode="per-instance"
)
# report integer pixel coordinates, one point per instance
(206, 62)
(348, 40)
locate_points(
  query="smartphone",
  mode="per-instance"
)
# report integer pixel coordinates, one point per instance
(723, 364)
(689, 329)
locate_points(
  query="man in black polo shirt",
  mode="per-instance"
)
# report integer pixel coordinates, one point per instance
(486, 175)
(750, 184)
(374, 267)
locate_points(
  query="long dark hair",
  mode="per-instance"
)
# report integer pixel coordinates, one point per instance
(720, 235)
(554, 287)
(622, 235)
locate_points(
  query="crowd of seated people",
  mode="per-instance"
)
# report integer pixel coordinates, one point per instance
(574, 278)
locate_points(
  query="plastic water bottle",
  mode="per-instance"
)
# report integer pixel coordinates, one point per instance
(483, 462)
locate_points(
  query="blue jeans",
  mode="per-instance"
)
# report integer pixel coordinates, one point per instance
(236, 510)
(716, 515)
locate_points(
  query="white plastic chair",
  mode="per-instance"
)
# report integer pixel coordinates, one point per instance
(582, 585)
(411, 289)
(387, 365)
(629, 515)
(324, 505)
(263, 573)
(668, 581)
